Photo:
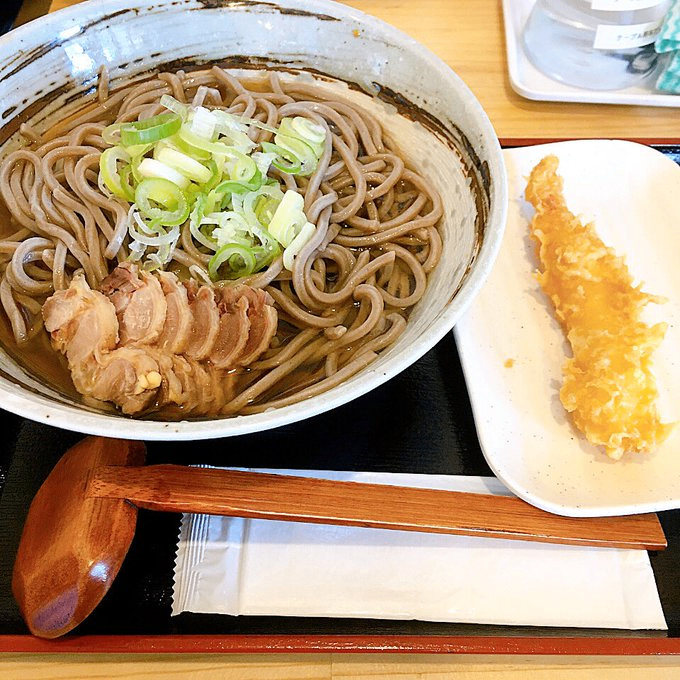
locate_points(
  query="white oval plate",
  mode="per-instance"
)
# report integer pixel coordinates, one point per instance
(513, 350)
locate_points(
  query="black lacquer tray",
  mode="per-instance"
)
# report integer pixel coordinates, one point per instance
(419, 422)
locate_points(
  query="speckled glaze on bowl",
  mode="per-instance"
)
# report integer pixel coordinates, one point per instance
(48, 65)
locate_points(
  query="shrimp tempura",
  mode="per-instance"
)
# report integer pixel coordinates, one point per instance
(608, 387)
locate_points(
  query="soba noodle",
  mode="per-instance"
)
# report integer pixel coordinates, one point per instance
(351, 286)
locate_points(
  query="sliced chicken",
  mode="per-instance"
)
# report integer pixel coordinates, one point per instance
(178, 318)
(232, 336)
(206, 323)
(147, 342)
(263, 321)
(82, 322)
(139, 301)
(127, 376)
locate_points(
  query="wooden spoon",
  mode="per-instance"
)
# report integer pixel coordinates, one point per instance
(82, 520)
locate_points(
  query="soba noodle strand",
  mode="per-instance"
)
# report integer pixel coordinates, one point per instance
(351, 285)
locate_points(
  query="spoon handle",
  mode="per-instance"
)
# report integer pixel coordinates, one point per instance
(176, 488)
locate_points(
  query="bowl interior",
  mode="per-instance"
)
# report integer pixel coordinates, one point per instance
(48, 66)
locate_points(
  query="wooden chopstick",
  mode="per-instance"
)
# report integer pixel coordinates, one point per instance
(258, 495)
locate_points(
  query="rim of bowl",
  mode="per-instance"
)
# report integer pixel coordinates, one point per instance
(40, 408)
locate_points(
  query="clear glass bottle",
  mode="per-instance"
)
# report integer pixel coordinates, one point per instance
(595, 44)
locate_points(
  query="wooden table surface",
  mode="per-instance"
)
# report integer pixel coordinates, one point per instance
(468, 35)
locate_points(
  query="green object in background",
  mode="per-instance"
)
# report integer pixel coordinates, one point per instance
(667, 41)
(669, 80)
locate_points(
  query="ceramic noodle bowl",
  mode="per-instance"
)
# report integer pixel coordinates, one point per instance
(47, 66)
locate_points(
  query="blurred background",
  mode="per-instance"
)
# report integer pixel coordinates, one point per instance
(17, 12)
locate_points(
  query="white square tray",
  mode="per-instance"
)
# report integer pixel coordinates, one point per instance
(529, 82)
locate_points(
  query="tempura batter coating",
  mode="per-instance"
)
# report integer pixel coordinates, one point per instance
(608, 386)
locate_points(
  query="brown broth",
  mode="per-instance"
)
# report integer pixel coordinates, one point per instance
(39, 359)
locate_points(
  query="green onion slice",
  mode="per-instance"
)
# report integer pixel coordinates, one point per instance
(111, 133)
(127, 183)
(288, 218)
(151, 236)
(199, 165)
(197, 142)
(153, 168)
(150, 130)
(196, 221)
(240, 186)
(109, 167)
(241, 261)
(181, 145)
(300, 240)
(176, 106)
(162, 202)
(300, 150)
(311, 133)
(241, 168)
(285, 160)
(184, 164)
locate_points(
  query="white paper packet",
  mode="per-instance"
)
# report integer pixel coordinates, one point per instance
(238, 566)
